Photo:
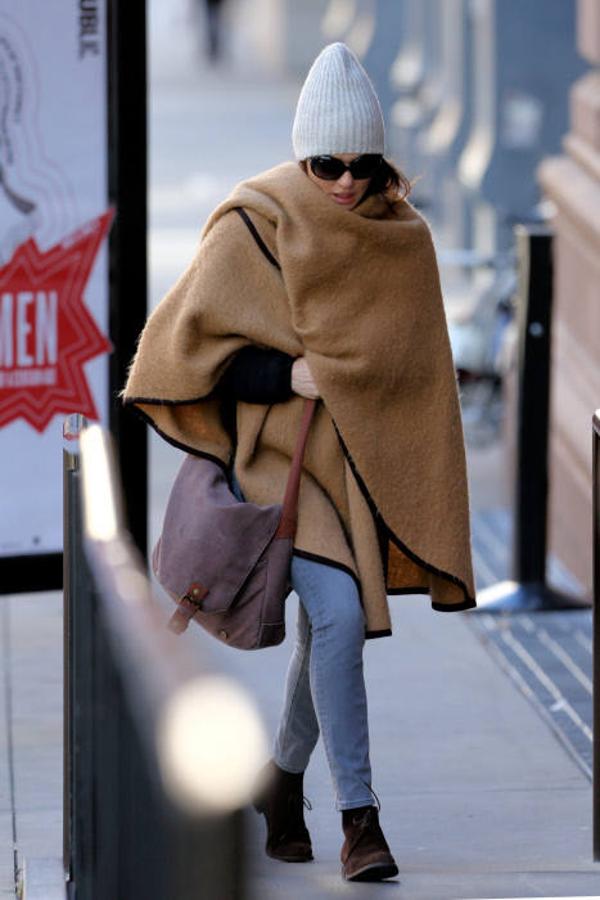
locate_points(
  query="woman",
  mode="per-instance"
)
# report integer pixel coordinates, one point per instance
(317, 278)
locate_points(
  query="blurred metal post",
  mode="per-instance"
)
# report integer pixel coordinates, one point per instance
(416, 75)
(596, 632)
(77, 631)
(520, 111)
(529, 590)
(443, 139)
(162, 751)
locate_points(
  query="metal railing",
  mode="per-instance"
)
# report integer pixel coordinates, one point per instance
(161, 750)
(596, 631)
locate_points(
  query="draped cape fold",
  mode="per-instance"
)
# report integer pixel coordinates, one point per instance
(384, 490)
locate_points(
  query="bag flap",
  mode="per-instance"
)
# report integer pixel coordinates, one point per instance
(209, 538)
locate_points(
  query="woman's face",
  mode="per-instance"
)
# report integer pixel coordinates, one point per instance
(346, 191)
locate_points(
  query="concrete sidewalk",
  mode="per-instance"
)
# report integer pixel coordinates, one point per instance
(479, 798)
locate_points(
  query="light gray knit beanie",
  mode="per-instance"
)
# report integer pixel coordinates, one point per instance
(338, 110)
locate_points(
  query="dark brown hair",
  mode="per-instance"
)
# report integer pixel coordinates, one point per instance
(388, 180)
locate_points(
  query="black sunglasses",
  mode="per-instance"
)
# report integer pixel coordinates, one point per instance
(330, 168)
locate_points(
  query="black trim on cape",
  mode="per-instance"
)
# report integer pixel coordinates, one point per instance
(191, 450)
(453, 607)
(467, 603)
(383, 529)
(252, 228)
(384, 532)
(316, 557)
(227, 468)
(324, 560)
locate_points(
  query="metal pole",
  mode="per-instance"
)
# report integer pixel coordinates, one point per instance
(69, 463)
(127, 184)
(528, 589)
(596, 634)
(78, 663)
(71, 428)
(534, 250)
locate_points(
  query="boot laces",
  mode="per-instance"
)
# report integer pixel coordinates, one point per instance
(295, 825)
(297, 802)
(366, 819)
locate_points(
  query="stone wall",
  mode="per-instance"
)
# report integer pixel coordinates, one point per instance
(572, 183)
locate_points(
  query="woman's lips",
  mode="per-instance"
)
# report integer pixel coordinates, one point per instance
(344, 198)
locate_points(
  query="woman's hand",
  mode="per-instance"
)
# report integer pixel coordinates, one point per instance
(302, 381)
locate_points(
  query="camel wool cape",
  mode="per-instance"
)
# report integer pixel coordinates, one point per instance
(384, 492)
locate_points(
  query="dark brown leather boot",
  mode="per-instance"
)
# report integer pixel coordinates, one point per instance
(282, 804)
(365, 853)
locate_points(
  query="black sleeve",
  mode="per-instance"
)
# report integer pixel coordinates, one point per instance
(259, 375)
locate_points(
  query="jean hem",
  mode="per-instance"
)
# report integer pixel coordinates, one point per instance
(353, 804)
(291, 770)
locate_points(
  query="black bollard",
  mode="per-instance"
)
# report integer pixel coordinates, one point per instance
(528, 590)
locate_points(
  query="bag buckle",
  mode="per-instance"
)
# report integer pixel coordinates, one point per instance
(187, 607)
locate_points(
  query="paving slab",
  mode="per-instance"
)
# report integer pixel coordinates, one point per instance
(549, 657)
(32, 708)
(5, 768)
(7, 822)
(7, 863)
(43, 879)
(36, 636)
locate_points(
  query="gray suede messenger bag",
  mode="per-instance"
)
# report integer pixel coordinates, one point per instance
(225, 562)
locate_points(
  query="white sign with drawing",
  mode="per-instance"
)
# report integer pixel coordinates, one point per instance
(53, 253)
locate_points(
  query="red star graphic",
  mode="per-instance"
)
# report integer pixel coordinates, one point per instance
(46, 331)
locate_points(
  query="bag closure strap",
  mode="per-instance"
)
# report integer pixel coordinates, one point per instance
(289, 512)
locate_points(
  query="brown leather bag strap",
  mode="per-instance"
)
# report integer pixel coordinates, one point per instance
(289, 512)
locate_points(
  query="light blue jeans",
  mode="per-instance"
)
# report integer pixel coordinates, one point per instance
(325, 687)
